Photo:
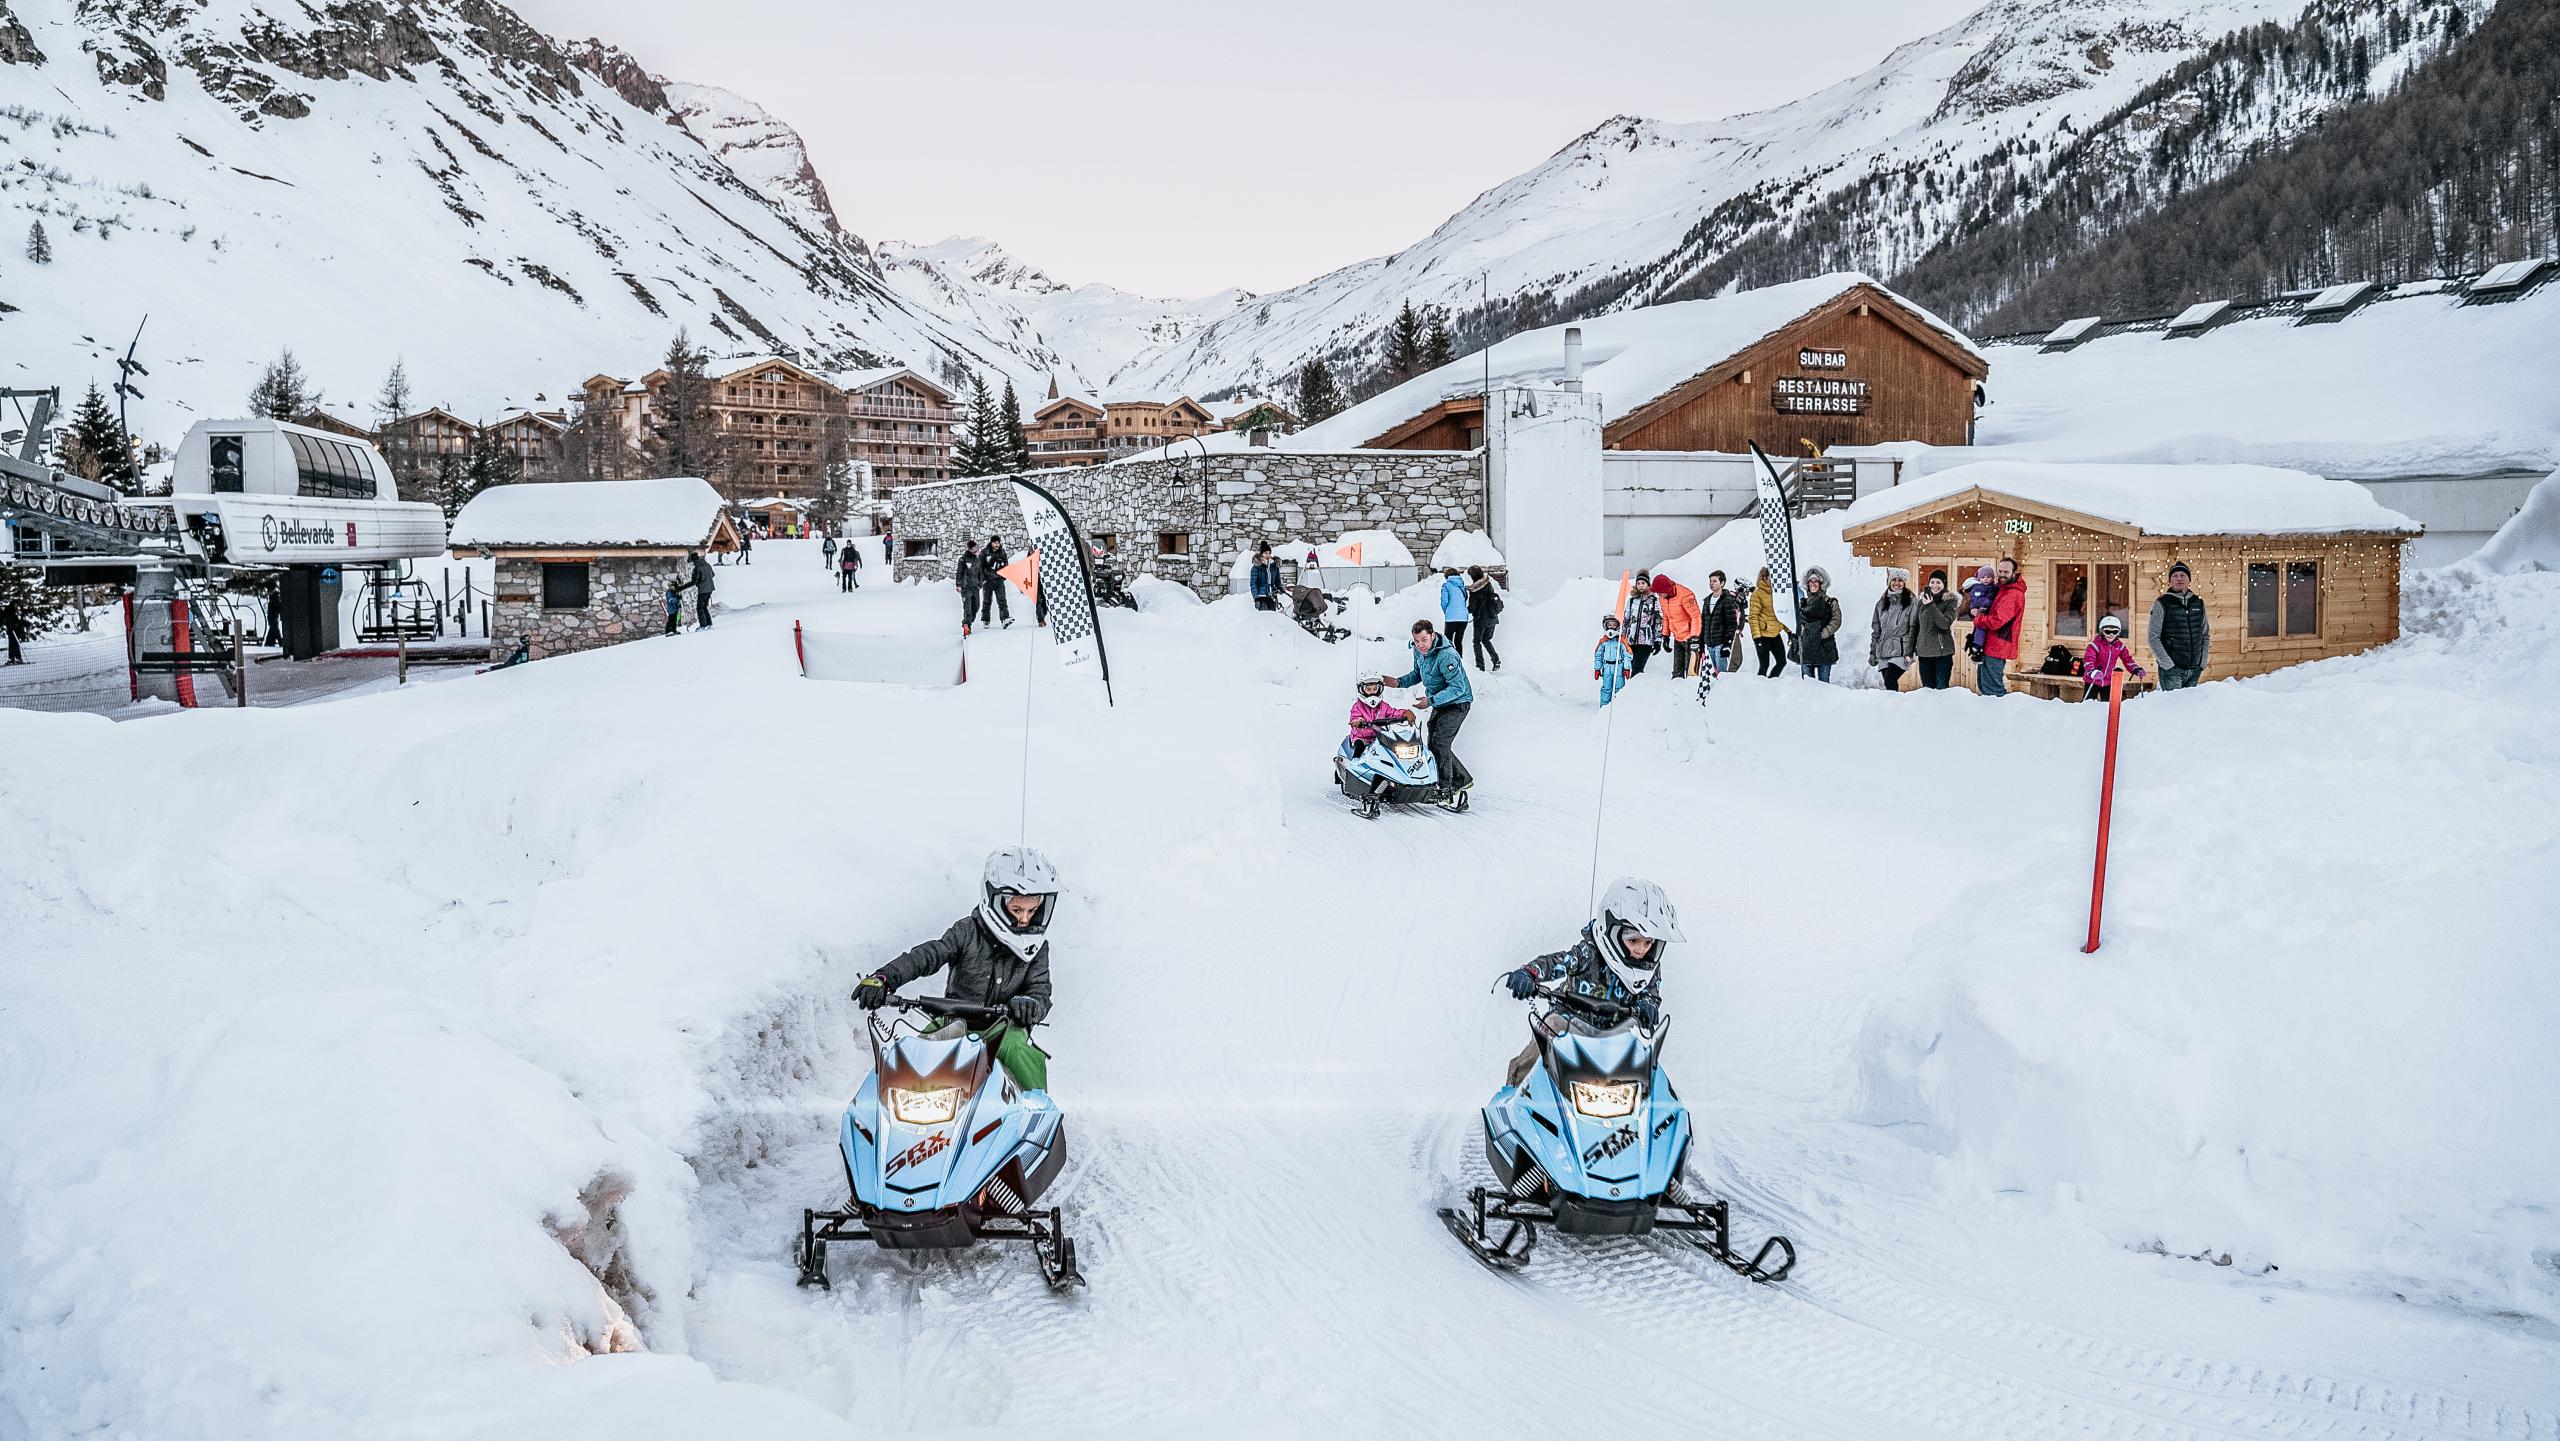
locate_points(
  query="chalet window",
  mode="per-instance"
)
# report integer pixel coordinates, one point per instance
(2082, 593)
(2284, 598)
(925, 549)
(1173, 542)
(564, 585)
(1109, 541)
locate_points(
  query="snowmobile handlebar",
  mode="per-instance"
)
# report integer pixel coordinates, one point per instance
(963, 1010)
(1598, 1008)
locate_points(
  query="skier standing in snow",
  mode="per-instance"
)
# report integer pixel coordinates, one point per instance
(969, 574)
(2180, 632)
(1766, 628)
(1444, 687)
(997, 955)
(702, 584)
(1618, 957)
(993, 602)
(849, 568)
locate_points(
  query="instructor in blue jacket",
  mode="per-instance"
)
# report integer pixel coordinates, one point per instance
(1444, 685)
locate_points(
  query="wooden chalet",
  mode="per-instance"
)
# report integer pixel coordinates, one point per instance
(1834, 361)
(1068, 430)
(902, 425)
(1133, 424)
(2292, 566)
(533, 438)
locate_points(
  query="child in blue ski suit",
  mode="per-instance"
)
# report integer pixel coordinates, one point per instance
(1611, 661)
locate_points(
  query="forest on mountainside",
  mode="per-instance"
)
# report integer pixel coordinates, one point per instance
(2453, 169)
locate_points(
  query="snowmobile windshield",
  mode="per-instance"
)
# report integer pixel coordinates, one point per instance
(1596, 1066)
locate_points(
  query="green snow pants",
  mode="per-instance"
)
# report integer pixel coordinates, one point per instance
(1020, 1056)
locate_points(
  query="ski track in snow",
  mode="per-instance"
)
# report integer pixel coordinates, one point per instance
(1259, 1233)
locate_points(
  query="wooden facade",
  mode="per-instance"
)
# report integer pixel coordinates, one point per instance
(2272, 600)
(902, 426)
(777, 418)
(533, 438)
(1130, 426)
(1862, 368)
(1066, 431)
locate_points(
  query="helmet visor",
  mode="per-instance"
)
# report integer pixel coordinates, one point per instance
(1008, 906)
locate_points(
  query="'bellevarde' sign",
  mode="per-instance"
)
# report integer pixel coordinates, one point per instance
(1819, 395)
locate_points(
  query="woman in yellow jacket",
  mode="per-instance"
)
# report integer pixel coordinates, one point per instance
(1766, 629)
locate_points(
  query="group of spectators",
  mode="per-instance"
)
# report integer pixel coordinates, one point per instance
(845, 561)
(980, 579)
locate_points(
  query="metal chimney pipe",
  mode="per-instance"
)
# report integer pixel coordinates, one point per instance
(1573, 357)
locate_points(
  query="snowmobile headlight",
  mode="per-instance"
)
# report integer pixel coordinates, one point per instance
(924, 1108)
(1407, 751)
(1606, 1100)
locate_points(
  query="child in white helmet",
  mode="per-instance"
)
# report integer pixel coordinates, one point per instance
(1618, 957)
(1370, 709)
(997, 955)
(2104, 653)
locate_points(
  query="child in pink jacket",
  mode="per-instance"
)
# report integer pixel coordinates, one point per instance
(1371, 710)
(2106, 651)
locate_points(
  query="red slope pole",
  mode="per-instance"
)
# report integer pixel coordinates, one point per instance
(800, 650)
(2106, 808)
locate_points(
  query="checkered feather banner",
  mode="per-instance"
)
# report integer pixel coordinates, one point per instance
(1777, 538)
(1059, 570)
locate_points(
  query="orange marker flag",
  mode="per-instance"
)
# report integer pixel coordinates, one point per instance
(1626, 578)
(1025, 574)
(1351, 552)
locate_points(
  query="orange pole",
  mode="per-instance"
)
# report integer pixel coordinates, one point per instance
(2106, 808)
(799, 649)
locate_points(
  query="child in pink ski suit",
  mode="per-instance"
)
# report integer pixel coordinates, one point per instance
(2106, 651)
(1370, 710)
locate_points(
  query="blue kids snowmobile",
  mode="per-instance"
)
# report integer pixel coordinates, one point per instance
(1592, 1142)
(1397, 767)
(941, 1150)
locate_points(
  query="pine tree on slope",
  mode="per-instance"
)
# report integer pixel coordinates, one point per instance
(1436, 347)
(1404, 344)
(282, 391)
(39, 247)
(93, 445)
(1017, 443)
(1318, 397)
(982, 452)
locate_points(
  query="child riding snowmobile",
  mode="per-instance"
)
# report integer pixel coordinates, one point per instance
(941, 1148)
(998, 956)
(1588, 1136)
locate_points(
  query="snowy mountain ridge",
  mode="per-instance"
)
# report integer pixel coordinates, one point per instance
(1084, 334)
(434, 181)
(1614, 218)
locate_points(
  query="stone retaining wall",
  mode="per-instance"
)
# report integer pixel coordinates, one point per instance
(626, 600)
(1250, 496)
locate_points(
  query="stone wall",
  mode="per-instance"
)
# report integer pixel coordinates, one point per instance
(626, 600)
(1250, 496)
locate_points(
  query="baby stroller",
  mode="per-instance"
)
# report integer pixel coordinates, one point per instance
(1314, 607)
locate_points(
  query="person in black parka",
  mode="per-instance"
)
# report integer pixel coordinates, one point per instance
(969, 575)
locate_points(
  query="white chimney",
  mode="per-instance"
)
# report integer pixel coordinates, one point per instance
(1573, 357)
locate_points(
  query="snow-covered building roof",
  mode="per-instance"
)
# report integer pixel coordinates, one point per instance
(2408, 385)
(2073, 330)
(1631, 358)
(2153, 499)
(591, 514)
(2200, 315)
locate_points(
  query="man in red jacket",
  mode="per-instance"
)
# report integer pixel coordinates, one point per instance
(2000, 624)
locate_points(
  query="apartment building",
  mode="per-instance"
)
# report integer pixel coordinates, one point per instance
(903, 425)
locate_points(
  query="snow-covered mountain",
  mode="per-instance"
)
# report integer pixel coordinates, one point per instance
(432, 180)
(1613, 219)
(1087, 334)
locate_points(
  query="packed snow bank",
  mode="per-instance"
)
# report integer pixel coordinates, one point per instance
(2530, 540)
(1463, 548)
(1375, 548)
(677, 510)
(2317, 1033)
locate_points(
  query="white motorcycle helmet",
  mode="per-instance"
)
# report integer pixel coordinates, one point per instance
(1369, 678)
(1017, 871)
(1639, 906)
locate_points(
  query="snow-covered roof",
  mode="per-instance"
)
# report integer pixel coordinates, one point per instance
(2509, 275)
(2339, 297)
(865, 379)
(2072, 329)
(2203, 312)
(2407, 385)
(765, 502)
(679, 510)
(2157, 499)
(1630, 358)
(1224, 411)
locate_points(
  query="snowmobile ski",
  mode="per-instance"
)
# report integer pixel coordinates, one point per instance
(1505, 1253)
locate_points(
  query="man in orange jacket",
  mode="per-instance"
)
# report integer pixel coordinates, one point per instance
(1681, 623)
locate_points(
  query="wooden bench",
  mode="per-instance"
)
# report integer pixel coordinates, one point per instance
(2069, 688)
